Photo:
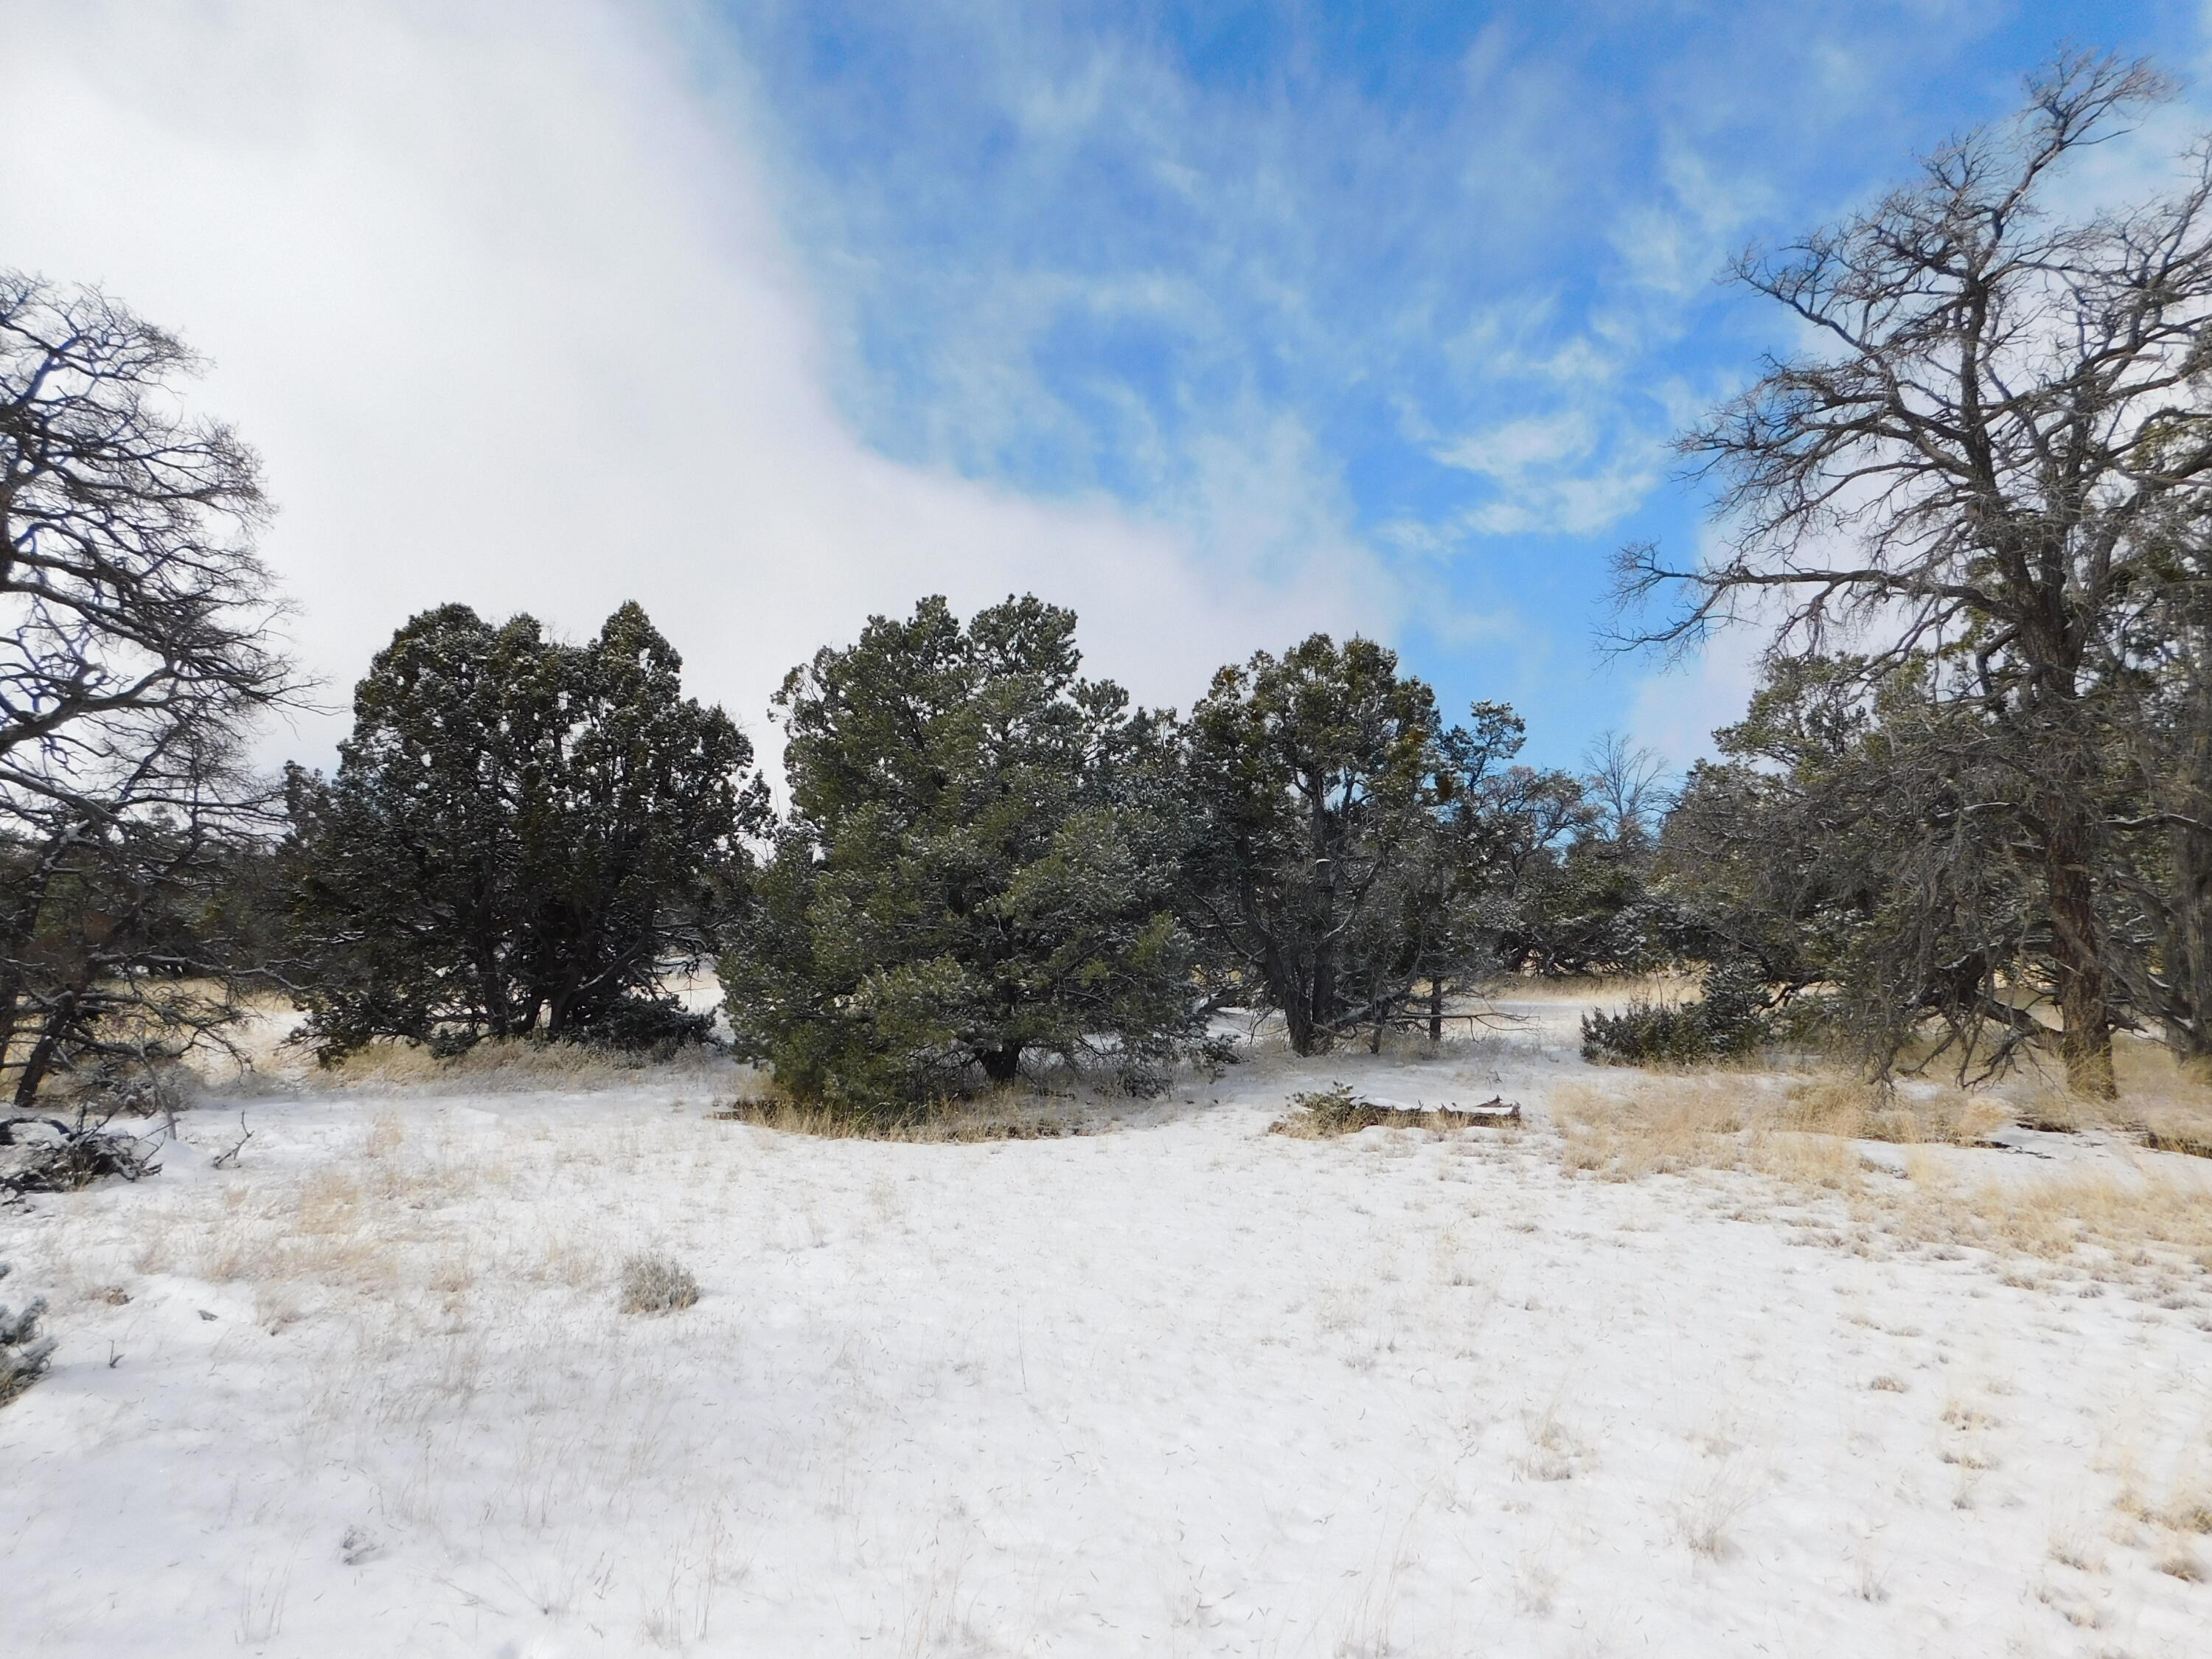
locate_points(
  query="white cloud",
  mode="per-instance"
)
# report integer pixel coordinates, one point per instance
(1512, 448)
(498, 290)
(1674, 713)
(1553, 475)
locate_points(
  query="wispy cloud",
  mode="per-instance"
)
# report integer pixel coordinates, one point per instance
(503, 295)
(1218, 323)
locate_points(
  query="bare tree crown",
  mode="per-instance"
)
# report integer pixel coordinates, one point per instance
(135, 606)
(1997, 408)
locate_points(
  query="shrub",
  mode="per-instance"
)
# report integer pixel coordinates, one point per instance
(1646, 1033)
(637, 1024)
(976, 878)
(652, 1284)
(46, 1155)
(1730, 1019)
(24, 1354)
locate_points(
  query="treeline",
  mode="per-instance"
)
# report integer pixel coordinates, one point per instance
(1968, 817)
(987, 862)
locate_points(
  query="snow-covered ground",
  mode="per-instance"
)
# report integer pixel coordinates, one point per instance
(1174, 1387)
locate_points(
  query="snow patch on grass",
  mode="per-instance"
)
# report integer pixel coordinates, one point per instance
(1175, 1385)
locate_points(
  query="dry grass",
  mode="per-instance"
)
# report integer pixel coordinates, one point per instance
(1670, 1123)
(2182, 1564)
(654, 1283)
(1705, 1521)
(2149, 1224)
(2136, 1218)
(502, 1065)
(386, 1220)
(1000, 1114)
(2167, 1105)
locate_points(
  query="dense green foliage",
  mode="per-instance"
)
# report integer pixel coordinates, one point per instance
(1730, 1019)
(518, 832)
(1353, 863)
(1312, 781)
(973, 869)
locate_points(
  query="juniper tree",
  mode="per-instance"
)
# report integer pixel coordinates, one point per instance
(1312, 779)
(520, 832)
(1585, 902)
(974, 871)
(1838, 847)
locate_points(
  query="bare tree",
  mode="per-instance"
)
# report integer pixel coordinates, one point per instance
(133, 657)
(1626, 784)
(2000, 408)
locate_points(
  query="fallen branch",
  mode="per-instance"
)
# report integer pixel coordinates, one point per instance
(237, 1146)
(1337, 1111)
(59, 1157)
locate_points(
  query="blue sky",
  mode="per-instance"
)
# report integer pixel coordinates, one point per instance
(1219, 323)
(1441, 274)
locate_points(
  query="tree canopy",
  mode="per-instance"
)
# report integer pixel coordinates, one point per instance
(518, 832)
(971, 873)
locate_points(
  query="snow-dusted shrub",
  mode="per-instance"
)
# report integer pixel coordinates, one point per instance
(652, 1284)
(46, 1155)
(1731, 1018)
(24, 1354)
(634, 1024)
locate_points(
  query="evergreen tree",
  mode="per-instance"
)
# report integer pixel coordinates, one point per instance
(974, 869)
(518, 832)
(1852, 847)
(1312, 779)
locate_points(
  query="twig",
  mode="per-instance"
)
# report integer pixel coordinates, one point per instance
(237, 1146)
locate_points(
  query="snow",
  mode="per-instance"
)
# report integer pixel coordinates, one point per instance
(1176, 1386)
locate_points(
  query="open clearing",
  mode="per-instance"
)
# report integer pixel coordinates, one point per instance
(1173, 1386)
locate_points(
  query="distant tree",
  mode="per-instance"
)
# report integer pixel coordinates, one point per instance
(973, 871)
(1993, 453)
(521, 832)
(1564, 859)
(134, 661)
(1624, 786)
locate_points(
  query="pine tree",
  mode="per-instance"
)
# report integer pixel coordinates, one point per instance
(134, 659)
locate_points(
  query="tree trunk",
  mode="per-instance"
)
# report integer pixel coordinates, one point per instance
(2188, 948)
(2085, 1036)
(1321, 1004)
(40, 1059)
(1436, 1011)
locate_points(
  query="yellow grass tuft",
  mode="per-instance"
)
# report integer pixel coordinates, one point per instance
(998, 1115)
